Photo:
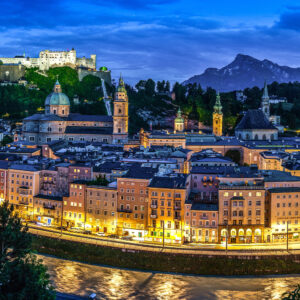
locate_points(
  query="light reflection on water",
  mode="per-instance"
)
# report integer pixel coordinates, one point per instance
(112, 283)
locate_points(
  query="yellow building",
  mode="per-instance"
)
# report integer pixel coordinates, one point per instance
(218, 118)
(179, 122)
(167, 196)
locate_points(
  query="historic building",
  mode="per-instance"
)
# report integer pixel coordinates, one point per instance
(218, 118)
(257, 124)
(120, 118)
(57, 123)
(48, 58)
(179, 122)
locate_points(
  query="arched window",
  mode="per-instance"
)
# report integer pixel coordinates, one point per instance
(257, 231)
(241, 232)
(247, 136)
(264, 137)
(240, 136)
(248, 232)
(233, 232)
(256, 137)
(223, 232)
(272, 137)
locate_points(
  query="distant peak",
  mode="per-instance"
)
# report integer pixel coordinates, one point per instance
(241, 57)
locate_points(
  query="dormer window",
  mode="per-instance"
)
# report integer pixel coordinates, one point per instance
(54, 111)
(63, 111)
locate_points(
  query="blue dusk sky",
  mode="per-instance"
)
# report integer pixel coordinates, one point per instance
(159, 39)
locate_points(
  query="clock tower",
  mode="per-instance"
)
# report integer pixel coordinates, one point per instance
(218, 117)
(120, 117)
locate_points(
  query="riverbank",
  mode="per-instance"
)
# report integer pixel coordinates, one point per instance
(165, 262)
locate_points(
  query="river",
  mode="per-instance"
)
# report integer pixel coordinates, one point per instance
(112, 283)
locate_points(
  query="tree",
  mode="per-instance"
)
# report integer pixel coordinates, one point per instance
(6, 140)
(22, 275)
(235, 155)
(294, 295)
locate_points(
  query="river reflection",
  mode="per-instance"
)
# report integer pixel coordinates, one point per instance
(112, 283)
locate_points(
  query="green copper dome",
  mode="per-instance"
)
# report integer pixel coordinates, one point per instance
(218, 105)
(121, 87)
(57, 97)
(103, 69)
(179, 118)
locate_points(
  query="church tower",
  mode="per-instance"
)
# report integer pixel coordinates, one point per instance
(265, 103)
(179, 122)
(218, 117)
(120, 117)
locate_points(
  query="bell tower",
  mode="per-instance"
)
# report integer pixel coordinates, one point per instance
(120, 117)
(218, 117)
(265, 103)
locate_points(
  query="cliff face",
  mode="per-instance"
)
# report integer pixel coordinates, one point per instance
(245, 71)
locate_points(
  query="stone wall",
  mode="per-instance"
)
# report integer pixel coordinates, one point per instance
(105, 75)
(11, 73)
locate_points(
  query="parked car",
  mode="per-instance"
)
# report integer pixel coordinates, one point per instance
(127, 238)
(113, 236)
(62, 228)
(76, 229)
(87, 231)
(100, 233)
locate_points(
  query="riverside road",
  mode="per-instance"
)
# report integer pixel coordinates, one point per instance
(200, 249)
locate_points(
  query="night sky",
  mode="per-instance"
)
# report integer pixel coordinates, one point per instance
(159, 39)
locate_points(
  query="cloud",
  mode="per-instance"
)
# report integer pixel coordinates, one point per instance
(144, 39)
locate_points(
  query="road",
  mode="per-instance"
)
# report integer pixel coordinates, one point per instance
(205, 249)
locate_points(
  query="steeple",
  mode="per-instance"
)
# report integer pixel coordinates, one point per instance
(57, 86)
(265, 103)
(218, 117)
(218, 105)
(179, 121)
(265, 93)
(121, 87)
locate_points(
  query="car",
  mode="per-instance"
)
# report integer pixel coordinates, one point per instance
(62, 228)
(100, 233)
(87, 231)
(127, 238)
(113, 236)
(76, 229)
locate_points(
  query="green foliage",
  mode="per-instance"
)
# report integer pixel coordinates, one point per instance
(235, 155)
(22, 276)
(294, 295)
(6, 140)
(102, 181)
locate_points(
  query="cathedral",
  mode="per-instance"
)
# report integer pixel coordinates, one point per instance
(57, 123)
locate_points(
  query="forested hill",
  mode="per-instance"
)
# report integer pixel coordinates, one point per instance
(148, 100)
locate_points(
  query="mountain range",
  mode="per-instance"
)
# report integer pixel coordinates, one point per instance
(245, 71)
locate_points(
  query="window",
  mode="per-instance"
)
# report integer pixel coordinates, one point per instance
(258, 203)
(258, 194)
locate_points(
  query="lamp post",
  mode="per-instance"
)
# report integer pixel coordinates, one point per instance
(287, 236)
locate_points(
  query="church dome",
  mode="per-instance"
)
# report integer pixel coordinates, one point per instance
(57, 97)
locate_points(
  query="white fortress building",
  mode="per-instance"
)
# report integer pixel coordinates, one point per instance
(48, 58)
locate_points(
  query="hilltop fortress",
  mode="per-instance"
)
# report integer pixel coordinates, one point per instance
(51, 59)
(48, 58)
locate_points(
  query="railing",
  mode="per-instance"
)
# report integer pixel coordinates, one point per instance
(23, 202)
(204, 218)
(153, 216)
(240, 187)
(49, 206)
(153, 205)
(177, 207)
(124, 210)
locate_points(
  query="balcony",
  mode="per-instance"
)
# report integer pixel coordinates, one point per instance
(153, 216)
(177, 217)
(49, 206)
(23, 202)
(204, 218)
(23, 191)
(124, 210)
(153, 205)
(177, 207)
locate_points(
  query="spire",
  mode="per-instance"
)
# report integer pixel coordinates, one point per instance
(57, 86)
(121, 81)
(179, 113)
(265, 92)
(121, 86)
(218, 105)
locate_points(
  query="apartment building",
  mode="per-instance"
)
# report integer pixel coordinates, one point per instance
(242, 207)
(200, 222)
(133, 201)
(101, 208)
(167, 196)
(283, 205)
(23, 185)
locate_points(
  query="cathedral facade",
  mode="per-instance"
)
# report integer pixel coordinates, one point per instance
(57, 123)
